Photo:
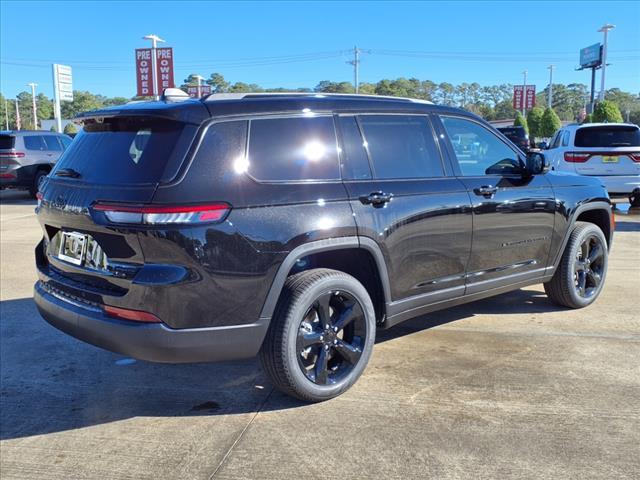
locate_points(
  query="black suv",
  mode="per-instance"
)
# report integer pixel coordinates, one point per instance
(517, 135)
(294, 226)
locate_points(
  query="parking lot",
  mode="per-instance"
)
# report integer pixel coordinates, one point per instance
(508, 387)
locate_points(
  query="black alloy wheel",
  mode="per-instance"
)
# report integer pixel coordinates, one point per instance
(589, 266)
(331, 337)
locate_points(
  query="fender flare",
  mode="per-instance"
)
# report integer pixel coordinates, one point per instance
(598, 205)
(318, 246)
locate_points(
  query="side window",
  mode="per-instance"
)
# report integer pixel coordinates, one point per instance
(555, 142)
(356, 164)
(51, 141)
(478, 151)
(65, 142)
(565, 138)
(34, 142)
(401, 146)
(290, 149)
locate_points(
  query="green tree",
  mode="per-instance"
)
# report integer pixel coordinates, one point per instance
(241, 87)
(326, 86)
(82, 102)
(504, 110)
(218, 83)
(607, 111)
(70, 128)
(550, 123)
(534, 121)
(520, 121)
(588, 118)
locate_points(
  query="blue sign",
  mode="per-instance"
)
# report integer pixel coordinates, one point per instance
(591, 56)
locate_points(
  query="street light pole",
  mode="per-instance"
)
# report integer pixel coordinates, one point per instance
(6, 113)
(605, 29)
(154, 73)
(33, 102)
(356, 63)
(550, 99)
(199, 78)
(524, 93)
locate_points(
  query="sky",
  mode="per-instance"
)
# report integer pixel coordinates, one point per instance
(298, 44)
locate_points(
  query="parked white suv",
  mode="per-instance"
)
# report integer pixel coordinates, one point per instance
(610, 151)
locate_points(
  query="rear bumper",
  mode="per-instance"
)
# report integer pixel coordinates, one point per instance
(17, 176)
(151, 342)
(620, 185)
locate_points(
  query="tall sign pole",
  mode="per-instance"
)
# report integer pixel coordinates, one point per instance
(6, 113)
(33, 104)
(18, 122)
(605, 29)
(62, 90)
(154, 74)
(550, 99)
(524, 109)
(591, 58)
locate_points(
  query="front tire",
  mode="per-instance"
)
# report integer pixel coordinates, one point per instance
(321, 335)
(579, 278)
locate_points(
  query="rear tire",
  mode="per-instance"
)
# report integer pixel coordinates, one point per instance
(37, 180)
(321, 335)
(579, 278)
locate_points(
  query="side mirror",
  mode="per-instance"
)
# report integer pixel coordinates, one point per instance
(537, 163)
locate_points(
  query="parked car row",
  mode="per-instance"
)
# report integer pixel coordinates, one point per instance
(27, 156)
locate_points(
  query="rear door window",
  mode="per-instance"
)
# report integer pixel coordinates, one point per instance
(128, 150)
(7, 142)
(355, 164)
(52, 143)
(401, 146)
(34, 142)
(608, 136)
(293, 149)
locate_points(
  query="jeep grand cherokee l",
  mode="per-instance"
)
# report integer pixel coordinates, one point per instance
(293, 226)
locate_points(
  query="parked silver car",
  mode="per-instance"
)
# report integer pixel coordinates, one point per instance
(27, 156)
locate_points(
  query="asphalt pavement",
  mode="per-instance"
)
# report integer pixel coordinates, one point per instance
(508, 387)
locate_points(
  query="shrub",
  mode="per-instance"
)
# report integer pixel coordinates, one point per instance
(534, 121)
(550, 123)
(70, 128)
(520, 121)
(607, 111)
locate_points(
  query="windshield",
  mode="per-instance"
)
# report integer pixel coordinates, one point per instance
(126, 150)
(608, 136)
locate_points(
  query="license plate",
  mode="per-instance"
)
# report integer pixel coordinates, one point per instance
(73, 246)
(610, 159)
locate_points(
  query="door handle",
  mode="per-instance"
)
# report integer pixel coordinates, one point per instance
(486, 191)
(377, 199)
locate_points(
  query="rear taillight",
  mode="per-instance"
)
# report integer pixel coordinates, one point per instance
(8, 175)
(131, 315)
(635, 157)
(39, 197)
(164, 214)
(11, 154)
(575, 157)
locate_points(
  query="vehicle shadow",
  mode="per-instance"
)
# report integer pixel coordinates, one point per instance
(518, 301)
(627, 226)
(16, 197)
(51, 382)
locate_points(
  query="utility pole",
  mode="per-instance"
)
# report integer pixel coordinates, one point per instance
(524, 94)
(550, 99)
(6, 113)
(18, 122)
(355, 62)
(199, 79)
(605, 29)
(33, 104)
(154, 73)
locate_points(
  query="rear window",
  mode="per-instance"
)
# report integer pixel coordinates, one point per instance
(7, 142)
(125, 150)
(513, 132)
(608, 136)
(290, 149)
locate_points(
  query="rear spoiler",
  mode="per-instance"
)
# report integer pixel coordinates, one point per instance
(187, 111)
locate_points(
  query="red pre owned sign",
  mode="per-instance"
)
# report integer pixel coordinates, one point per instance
(164, 67)
(144, 78)
(524, 97)
(144, 68)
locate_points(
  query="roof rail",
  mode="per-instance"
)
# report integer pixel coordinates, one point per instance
(240, 96)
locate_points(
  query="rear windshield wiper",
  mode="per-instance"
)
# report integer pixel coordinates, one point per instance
(68, 172)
